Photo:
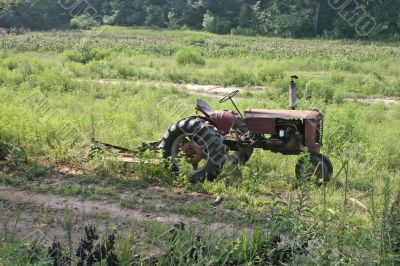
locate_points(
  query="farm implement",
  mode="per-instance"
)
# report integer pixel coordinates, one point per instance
(204, 143)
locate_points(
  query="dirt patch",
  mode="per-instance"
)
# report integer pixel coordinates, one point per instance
(29, 222)
(215, 91)
(96, 208)
(384, 100)
(68, 170)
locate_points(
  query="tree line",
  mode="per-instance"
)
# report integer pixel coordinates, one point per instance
(292, 18)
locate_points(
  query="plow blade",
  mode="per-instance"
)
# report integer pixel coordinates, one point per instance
(124, 154)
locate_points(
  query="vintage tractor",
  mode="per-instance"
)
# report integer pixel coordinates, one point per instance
(202, 144)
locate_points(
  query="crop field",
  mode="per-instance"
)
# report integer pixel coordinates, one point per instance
(124, 86)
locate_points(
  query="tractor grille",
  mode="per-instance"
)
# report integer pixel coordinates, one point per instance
(320, 131)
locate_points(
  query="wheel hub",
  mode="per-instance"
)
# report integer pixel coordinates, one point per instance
(193, 151)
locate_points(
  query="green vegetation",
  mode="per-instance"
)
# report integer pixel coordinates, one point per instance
(290, 18)
(58, 89)
(83, 22)
(186, 57)
(17, 253)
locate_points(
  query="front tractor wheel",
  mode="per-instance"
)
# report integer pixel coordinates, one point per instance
(196, 148)
(316, 166)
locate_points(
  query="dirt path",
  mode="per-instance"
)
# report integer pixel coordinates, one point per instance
(101, 212)
(216, 91)
(377, 100)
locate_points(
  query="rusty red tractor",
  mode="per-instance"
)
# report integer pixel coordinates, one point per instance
(202, 144)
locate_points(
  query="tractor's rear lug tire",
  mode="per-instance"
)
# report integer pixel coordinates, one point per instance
(316, 166)
(216, 150)
(238, 158)
(244, 154)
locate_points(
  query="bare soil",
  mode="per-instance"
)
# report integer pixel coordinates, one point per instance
(216, 91)
(376, 100)
(25, 214)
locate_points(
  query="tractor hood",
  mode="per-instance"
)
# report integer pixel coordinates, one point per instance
(283, 114)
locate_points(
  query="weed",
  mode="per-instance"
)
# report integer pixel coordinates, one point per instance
(186, 56)
(84, 54)
(129, 202)
(69, 189)
(18, 253)
(68, 225)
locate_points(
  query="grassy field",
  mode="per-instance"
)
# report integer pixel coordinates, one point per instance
(120, 85)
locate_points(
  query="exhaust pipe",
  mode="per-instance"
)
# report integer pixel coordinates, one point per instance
(293, 92)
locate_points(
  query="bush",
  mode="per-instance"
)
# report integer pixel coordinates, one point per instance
(52, 80)
(243, 31)
(194, 40)
(341, 63)
(316, 89)
(83, 22)
(84, 54)
(187, 57)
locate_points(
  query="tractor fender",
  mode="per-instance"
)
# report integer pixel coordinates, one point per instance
(222, 120)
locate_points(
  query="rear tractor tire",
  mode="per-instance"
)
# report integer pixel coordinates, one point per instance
(244, 154)
(318, 167)
(196, 148)
(238, 158)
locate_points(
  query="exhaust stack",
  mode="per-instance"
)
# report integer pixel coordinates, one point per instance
(293, 92)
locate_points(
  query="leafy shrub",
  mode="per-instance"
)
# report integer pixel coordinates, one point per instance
(27, 68)
(52, 80)
(341, 63)
(126, 72)
(319, 90)
(194, 40)
(85, 54)
(187, 57)
(83, 22)
(10, 63)
(373, 87)
(243, 31)
(339, 96)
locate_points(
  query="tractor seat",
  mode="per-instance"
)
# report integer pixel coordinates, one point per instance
(282, 114)
(204, 107)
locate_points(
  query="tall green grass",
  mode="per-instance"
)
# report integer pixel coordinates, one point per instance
(50, 109)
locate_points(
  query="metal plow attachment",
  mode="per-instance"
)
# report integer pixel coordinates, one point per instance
(124, 154)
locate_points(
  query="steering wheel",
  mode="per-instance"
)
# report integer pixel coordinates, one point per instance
(229, 96)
